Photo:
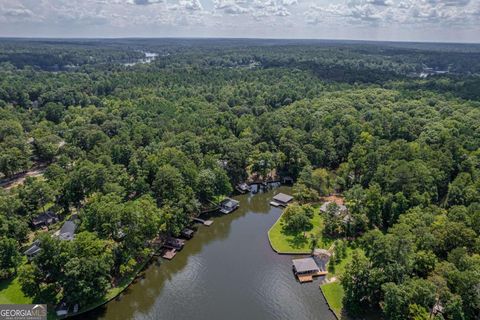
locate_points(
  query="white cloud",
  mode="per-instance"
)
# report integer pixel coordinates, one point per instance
(436, 19)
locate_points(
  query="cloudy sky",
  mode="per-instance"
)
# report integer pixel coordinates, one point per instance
(423, 20)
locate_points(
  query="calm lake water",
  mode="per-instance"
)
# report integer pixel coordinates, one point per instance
(227, 271)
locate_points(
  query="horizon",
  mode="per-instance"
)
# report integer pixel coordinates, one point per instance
(239, 38)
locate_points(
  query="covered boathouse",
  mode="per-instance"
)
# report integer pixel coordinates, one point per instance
(281, 199)
(229, 205)
(305, 269)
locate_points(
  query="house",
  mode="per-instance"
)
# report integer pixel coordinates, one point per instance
(45, 219)
(281, 199)
(305, 269)
(229, 205)
(33, 250)
(67, 232)
(340, 208)
(340, 211)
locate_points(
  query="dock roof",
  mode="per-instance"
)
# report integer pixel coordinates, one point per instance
(305, 265)
(282, 197)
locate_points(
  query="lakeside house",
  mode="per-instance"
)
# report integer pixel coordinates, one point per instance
(281, 199)
(45, 219)
(229, 205)
(340, 210)
(305, 269)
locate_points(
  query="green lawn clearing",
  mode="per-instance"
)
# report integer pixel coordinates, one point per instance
(11, 293)
(283, 242)
(333, 293)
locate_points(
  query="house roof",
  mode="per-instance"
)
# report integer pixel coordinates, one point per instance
(282, 197)
(68, 230)
(34, 249)
(341, 207)
(229, 203)
(44, 218)
(305, 265)
(318, 252)
(187, 231)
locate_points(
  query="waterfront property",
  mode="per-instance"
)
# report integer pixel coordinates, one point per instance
(339, 210)
(285, 242)
(281, 199)
(305, 269)
(229, 205)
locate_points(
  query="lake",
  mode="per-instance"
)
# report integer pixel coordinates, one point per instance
(227, 271)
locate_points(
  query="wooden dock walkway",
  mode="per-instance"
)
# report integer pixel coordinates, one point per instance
(204, 222)
(309, 277)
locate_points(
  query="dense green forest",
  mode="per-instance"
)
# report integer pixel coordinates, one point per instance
(133, 152)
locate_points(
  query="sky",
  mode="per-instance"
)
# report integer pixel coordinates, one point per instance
(403, 20)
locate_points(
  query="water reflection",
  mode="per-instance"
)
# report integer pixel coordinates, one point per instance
(227, 271)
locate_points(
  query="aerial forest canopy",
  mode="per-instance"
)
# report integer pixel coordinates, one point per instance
(130, 151)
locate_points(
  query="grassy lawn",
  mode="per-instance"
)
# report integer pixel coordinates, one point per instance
(333, 292)
(283, 242)
(11, 292)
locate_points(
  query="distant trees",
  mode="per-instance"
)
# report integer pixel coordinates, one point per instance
(14, 150)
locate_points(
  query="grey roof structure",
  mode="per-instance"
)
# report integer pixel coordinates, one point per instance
(282, 197)
(46, 218)
(33, 250)
(67, 231)
(228, 205)
(340, 208)
(305, 265)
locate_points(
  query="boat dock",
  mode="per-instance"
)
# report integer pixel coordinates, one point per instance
(204, 222)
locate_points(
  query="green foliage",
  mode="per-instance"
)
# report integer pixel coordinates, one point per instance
(10, 257)
(297, 218)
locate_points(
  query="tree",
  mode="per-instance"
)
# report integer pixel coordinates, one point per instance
(413, 297)
(361, 285)
(304, 194)
(10, 257)
(35, 194)
(86, 275)
(297, 218)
